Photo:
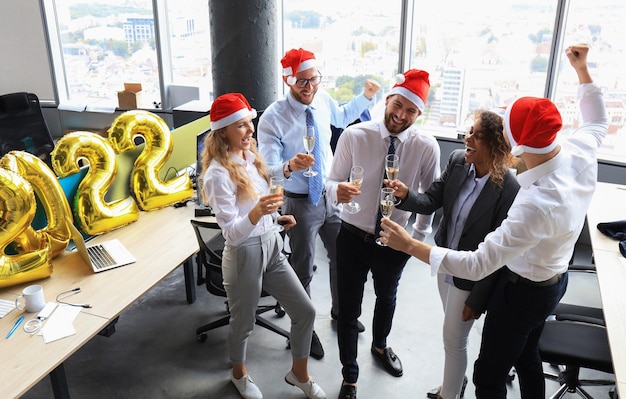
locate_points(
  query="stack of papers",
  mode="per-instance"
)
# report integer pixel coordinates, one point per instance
(6, 306)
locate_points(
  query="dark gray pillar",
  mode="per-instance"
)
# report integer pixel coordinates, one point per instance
(244, 49)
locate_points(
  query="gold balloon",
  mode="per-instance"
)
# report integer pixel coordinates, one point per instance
(54, 203)
(17, 210)
(92, 213)
(149, 191)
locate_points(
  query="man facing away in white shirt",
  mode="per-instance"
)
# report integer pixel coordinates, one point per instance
(535, 241)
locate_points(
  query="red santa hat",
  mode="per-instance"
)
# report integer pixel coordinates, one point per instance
(229, 108)
(531, 124)
(414, 85)
(295, 61)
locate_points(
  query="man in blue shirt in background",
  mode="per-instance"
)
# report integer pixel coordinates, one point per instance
(280, 136)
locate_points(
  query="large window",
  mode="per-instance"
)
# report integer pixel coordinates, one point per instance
(601, 24)
(105, 43)
(479, 54)
(352, 40)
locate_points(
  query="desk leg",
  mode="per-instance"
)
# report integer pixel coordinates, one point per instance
(190, 288)
(59, 383)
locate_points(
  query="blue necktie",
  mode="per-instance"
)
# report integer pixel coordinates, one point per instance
(390, 151)
(315, 182)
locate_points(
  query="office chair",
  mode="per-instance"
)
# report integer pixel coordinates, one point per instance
(209, 268)
(575, 337)
(23, 127)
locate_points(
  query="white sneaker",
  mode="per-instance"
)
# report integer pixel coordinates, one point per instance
(246, 387)
(310, 388)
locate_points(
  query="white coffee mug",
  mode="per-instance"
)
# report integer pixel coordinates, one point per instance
(33, 299)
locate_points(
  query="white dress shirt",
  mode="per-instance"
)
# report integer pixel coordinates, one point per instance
(366, 144)
(463, 203)
(537, 238)
(231, 214)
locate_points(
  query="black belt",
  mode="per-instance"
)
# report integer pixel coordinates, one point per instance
(369, 238)
(297, 195)
(516, 278)
(294, 195)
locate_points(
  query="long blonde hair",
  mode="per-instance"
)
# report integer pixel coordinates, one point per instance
(216, 147)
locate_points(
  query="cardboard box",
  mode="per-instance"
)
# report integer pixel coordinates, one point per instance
(130, 96)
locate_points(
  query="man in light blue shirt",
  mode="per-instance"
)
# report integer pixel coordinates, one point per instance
(280, 136)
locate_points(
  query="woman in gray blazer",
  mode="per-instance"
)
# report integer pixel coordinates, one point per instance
(475, 192)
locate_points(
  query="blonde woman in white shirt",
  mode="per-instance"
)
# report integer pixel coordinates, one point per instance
(236, 182)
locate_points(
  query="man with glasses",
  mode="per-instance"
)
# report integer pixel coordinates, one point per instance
(280, 135)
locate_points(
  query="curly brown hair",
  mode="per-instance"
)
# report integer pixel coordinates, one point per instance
(492, 128)
(216, 147)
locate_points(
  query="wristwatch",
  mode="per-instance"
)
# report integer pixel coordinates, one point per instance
(287, 168)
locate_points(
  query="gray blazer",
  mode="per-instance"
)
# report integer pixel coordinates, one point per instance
(490, 208)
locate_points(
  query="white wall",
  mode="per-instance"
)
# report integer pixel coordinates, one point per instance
(25, 60)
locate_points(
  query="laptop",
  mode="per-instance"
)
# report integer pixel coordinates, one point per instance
(103, 256)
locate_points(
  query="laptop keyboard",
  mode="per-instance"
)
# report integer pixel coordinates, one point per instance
(100, 257)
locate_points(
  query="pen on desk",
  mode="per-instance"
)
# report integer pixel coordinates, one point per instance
(17, 324)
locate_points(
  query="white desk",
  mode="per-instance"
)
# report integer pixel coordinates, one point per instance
(160, 240)
(609, 205)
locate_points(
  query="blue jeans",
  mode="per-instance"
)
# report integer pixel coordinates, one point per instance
(355, 258)
(515, 318)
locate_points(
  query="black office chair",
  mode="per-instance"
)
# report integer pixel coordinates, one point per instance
(575, 337)
(209, 268)
(23, 127)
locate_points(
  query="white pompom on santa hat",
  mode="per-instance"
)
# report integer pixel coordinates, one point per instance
(531, 124)
(229, 108)
(296, 60)
(414, 85)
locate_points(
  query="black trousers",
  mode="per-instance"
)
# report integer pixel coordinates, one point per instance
(358, 254)
(515, 318)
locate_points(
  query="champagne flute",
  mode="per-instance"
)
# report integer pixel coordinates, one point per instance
(356, 179)
(392, 169)
(386, 207)
(276, 187)
(309, 144)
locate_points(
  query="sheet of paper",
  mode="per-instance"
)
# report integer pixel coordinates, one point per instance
(59, 325)
(6, 306)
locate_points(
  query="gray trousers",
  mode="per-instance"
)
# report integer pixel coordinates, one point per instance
(249, 268)
(324, 220)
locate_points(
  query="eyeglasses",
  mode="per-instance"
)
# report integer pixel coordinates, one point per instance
(314, 81)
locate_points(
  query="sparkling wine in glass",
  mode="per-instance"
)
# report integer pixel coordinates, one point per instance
(387, 204)
(356, 179)
(309, 144)
(392, 169)
(276, 187)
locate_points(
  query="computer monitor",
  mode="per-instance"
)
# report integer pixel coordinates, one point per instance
(199, 149)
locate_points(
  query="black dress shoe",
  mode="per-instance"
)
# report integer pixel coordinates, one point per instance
(360, 325)
(347, 392)
(389, 360)
(317, 352)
